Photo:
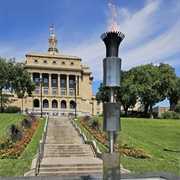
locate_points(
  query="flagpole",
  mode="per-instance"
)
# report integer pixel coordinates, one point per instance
(53, 33)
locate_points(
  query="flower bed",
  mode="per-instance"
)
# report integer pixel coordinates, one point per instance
(11, 148)
(120, 146)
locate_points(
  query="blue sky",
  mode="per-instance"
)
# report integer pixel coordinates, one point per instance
(151, 27)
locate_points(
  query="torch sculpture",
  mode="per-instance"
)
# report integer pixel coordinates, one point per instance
(111, 109)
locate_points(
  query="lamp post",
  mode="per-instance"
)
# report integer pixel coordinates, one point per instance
(41, 97)
(32, 103)
(22, 102)
(75, 97)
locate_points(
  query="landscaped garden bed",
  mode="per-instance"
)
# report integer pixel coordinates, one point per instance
(18, 137)
(157, 137)
(94, 127)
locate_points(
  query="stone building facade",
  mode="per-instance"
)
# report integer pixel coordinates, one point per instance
(60, 81)
(160, 110)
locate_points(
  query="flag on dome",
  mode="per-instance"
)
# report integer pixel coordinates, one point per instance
(52, 26)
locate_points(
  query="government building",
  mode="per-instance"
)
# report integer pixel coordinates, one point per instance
(61, 83)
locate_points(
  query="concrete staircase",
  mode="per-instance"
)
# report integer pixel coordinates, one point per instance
(65, 153)
(68, 150)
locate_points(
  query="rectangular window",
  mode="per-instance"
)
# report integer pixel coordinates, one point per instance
(71, 91)
(98, 103)
(54, 80)
(71, 81)
(36, 79)
(45, 90)
(54, 91)
(63, 81)
(45, 80)
(36, 90)
(63, 91)
(97, 111)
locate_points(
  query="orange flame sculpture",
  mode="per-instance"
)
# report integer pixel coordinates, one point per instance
(112, 24)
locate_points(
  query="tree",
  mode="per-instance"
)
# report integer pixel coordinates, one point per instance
(174, 93)
(13, 76)
(147, 83)
(170, 83)
(154, 83)
(22, 81)
(102, 95)
(127, 94)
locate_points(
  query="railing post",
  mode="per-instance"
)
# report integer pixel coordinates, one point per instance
(22, 167)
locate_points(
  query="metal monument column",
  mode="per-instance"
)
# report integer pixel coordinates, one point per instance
(111, 109)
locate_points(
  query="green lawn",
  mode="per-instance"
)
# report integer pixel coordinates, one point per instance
(159, 138)
(12, 167)
(6, 120)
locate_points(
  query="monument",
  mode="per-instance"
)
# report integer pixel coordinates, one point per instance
(111, 109)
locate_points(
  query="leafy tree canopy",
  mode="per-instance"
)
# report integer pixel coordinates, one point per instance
(149, 84)
(13, 76)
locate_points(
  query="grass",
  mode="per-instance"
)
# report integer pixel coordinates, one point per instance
(6, 120)
(12, 167)
(157, 137)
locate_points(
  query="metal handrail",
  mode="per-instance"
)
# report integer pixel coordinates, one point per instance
(103, 146)
(87, 134)
(40, 152)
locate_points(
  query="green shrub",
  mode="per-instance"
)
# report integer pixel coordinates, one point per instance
(27, 122)
(12, 109)
(171, 115)
(177, 108)
(16, 133)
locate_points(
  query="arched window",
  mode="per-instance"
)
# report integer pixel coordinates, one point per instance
(36, 103)
(72, 104)
(45, 103)
(63, 104)
(54, 104)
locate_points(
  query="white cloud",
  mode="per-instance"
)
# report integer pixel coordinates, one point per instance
(164, 46)
(147, 39)
(152, 35)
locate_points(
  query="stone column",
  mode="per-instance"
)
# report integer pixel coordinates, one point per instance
(31, 76)
(49, 91)
(40, 76)
(77, 84)
(67, 84)
(59, 82)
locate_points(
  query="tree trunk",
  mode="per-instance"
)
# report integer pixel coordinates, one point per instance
(126, 110)
(172, 104)
(151, 112)
(146, 106)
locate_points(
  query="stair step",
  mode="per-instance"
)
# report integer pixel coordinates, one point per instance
(65, 145)
(68, 155)
(67, 151)
(70, 165)
(55, 169)
(69, 172)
